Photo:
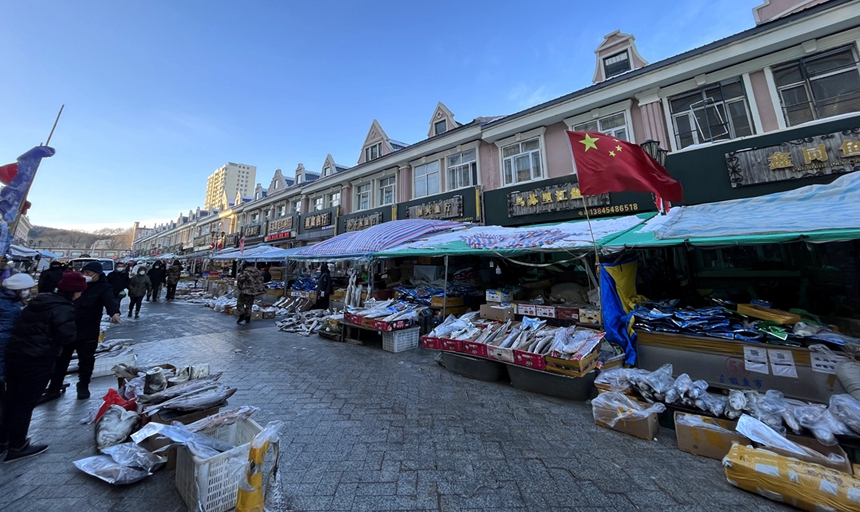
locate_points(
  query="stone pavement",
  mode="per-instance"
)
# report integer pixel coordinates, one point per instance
(366, 429)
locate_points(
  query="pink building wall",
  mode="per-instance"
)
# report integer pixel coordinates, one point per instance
(559, 160)
(764, 101)
(488, 158)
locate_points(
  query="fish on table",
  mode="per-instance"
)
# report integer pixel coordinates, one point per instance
(180, 389)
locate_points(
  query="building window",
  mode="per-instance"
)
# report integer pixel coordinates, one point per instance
(440, 126)
(319, 203)
(373, 152)
(297, 206)
(275, 185)
(282, 210)
(824, 85)
(334, 199)
(255, 218)
(463, 169)
(426, 179)
(387, 190)
(362, 195)
(616, 64)
(614, 125)
(715, 112)
(522, 161)
(327, 171)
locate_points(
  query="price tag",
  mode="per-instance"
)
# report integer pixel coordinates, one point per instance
(782, 363)
(755, 360)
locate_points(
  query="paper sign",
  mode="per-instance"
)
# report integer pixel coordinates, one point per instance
(782, 363)
(825, 362)
(755, 360)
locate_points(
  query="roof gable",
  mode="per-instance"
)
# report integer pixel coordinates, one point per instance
(616, 43)
(442, 113)
(278, 183)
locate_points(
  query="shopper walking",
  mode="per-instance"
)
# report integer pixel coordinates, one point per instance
(174, 273)
(250, 284)
(45, 326)
(14, 291)
(98, 297)
(119, 280)
(50, 277)
(156, 276)
(138, 287)
(324, 287)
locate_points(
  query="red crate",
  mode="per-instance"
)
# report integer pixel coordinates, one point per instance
(353, 318)
(382, 325)
(529, 359)
(475, 349)
(452, 345)
(431, 343)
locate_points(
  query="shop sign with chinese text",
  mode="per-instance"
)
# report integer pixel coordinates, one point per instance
(317, 220)
(833, 153)
(553, 198)
(253, 231)
(447, 208)
(363, 221)
(285, 224)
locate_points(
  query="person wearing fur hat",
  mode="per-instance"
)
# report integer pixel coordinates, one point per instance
(45, 326)
(98, 297)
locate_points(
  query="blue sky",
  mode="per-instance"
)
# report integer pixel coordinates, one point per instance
(161, 93)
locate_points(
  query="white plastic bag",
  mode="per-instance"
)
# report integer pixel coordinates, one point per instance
(612, 407)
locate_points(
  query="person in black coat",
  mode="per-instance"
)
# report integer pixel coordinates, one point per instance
(267, 276)
(324, 287)
(50, 277)
(156, 275)
(96, 298)
(119, 280)
(45, 326)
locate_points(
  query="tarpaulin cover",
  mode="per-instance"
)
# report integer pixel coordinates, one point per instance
(617, 295)
(14, 195)
(477, 240)
(19, 251)
(376, 238)
(815, 213)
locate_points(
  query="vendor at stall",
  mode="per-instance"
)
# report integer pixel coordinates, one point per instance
(324, 287)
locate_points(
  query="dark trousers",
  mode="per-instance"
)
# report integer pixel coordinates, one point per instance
(322, 302)
(86, 350)
(156, 291)
(26, 378)
(171, 291)
(135, 304)
(245, 304)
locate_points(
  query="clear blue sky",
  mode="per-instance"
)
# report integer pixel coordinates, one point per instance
(161, 93)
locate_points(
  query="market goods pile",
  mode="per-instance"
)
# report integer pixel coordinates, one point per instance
(307, 323)
(782, 415)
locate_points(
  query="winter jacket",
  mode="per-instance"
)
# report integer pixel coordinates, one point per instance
(49, 279)
(119, 281)
(174, 273)
(10, 309)
(97, 297)
(324, 286)
(45, 325)
(250, 282)
(267, 276)
(156, 275)
(139, 286)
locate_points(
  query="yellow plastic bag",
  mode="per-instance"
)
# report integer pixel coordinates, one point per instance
(800, 484)
(251, 497)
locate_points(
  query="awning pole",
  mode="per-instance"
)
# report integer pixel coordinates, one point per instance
(445, 293)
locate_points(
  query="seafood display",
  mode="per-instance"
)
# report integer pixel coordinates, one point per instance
(114, 426)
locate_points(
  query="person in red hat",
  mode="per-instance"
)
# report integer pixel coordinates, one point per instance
(45, 326)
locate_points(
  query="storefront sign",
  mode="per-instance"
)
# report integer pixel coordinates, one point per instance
(279, 236)
(448, 208)
(554, 198)
(363, 221)
(317, 220)
(201, 240)
(285, 224)
(231, 240)
(833, 153)
(253, 231)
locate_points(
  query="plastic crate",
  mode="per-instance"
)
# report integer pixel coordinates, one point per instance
(398, 341)
(104, 364)
(207, 485)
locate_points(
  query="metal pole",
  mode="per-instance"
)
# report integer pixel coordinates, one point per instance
(57, 120)
(445, 293)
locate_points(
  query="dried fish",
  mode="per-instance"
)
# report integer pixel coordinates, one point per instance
(179, 390)
(114, 426)
(222, 418)
(198, 401)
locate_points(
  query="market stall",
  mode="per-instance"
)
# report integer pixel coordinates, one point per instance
(770, 298)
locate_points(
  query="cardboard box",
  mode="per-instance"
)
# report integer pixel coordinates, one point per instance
(705, 442)
(545, 311)
(500, 354)
(496, 312)
(589, 315)
(567, 313)
(446, 301)
(268, 315)
(529, 360)
(569, 367)
(452, 345)
(499, 296)
(809, 442)
(645, 428)
(431, 343)
(475, 349)
(256, 315)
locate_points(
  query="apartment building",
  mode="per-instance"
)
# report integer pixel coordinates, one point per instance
(229, 179)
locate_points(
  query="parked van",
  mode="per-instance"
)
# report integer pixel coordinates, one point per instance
(78, 263)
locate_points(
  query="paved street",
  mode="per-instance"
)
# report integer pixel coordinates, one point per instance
(370, 430)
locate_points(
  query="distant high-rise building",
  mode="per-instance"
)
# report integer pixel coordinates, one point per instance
(230, 178)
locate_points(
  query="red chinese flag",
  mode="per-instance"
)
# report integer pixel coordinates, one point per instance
(8, 173)
(606, 164)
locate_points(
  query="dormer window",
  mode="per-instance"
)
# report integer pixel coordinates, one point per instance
(275, 186)
(440, 127)
(373, 152)
(327, 171)
(616, 64)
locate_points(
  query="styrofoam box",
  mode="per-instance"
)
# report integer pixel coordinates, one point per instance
(104, 364)
(211, 485)
(398, 341)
